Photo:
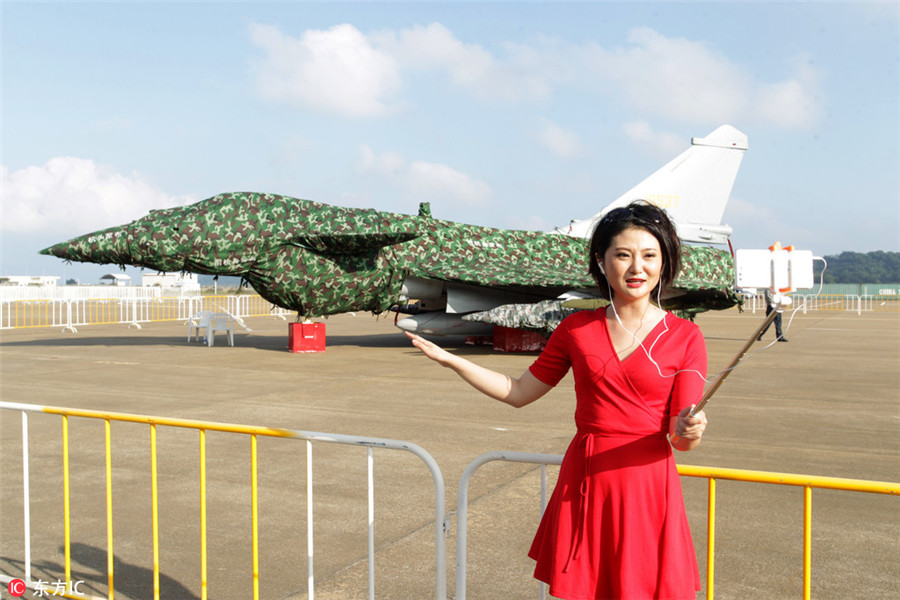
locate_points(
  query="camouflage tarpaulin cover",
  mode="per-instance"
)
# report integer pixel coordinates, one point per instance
(540, 317)
(319, 259)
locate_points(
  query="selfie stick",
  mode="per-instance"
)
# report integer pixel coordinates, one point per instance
(780, 270)
(780, 303)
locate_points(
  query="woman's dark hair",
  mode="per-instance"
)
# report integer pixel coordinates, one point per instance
(636, 215)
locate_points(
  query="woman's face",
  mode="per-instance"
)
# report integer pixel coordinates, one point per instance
(633, 263)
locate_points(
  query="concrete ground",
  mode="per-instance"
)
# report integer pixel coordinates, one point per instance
(825, 404)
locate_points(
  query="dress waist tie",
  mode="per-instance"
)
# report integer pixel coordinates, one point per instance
(587, 439)
(586, 443)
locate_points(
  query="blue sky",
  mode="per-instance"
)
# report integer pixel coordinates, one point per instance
(514, 115)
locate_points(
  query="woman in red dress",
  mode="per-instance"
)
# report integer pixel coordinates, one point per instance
(615, 526)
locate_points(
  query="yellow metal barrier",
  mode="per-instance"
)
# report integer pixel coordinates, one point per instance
(153, 422)
(202, 427)
(836, 302)
(807, 482)
(711, 473)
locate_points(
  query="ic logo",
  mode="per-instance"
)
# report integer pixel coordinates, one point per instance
(17, 588)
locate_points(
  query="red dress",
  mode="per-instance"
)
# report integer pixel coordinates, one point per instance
(615, 526)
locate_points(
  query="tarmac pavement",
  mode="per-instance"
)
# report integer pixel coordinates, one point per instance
(825, 404)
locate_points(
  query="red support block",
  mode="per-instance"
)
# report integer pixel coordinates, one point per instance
(306, 337)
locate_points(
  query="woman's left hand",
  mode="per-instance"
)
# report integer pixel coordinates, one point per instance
(690, 427)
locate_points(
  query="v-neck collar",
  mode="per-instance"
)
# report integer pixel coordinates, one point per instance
(612, 347)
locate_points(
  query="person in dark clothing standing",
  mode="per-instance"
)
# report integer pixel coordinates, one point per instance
(770, 306)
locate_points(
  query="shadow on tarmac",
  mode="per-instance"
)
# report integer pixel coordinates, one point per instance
(254, 340)
(130, 580)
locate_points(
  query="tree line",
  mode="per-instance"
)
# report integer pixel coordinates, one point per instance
(857, 267)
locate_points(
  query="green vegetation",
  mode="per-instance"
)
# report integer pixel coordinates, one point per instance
(857, 267)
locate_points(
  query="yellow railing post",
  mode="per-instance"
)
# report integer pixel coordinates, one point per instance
(67, 531)
(255, 508)
(155, 504)
(203, 580)
(711, 539)
(807, 541)
(109, 509)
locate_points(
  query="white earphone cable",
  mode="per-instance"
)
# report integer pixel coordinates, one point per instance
(649, 352)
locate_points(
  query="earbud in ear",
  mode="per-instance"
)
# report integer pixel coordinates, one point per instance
(600, 264)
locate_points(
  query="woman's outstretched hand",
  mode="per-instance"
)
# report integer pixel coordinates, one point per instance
(430, 349)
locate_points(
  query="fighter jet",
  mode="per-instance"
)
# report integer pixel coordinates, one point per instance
(320, 260)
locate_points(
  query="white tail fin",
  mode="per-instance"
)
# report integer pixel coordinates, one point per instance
(693, 188)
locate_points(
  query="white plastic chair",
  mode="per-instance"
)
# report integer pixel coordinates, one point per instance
(220, 322)
(200, 320)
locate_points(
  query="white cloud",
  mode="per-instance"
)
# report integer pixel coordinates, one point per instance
(346, 72)
(655, 143)
(470, 66)
(387, 164)
(336, 71)
(759, 226)
(687, 81)
(74, 196)
(528, 222)
(793, 103)
(560, 141)
(746, 211)
(673, 77)
(424, 181)
(431, 180)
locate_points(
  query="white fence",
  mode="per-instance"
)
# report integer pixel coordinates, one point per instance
(74, 292)
(69, 314)
(831, 302)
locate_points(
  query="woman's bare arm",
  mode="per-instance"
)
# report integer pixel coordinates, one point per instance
(515, 391)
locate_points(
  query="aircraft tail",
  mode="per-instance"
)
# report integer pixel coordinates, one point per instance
(693, 188)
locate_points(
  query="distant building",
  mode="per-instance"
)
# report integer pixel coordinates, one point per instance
(117, 279)
(184, 281)
(29, 280)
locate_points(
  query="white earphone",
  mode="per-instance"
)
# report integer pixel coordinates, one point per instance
(600, 264)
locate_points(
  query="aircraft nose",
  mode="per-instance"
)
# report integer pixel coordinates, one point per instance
(107, 246)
